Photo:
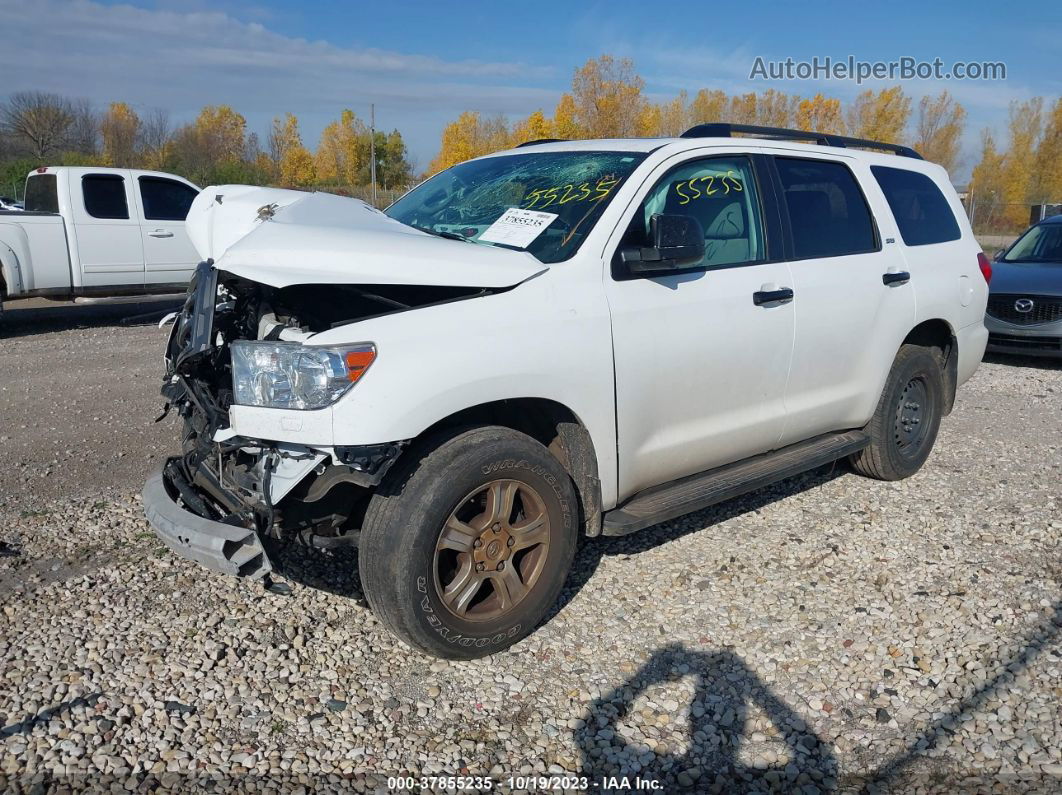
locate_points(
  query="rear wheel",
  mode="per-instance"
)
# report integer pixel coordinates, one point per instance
(467, 544)
(905, 424)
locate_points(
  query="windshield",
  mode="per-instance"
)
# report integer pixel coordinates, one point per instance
(1042, 243)
(569, 189)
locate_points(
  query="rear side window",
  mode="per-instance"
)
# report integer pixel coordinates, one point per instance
(42, 196)
(920, 209)
(827, 211)
(105, 196)
(165, 199)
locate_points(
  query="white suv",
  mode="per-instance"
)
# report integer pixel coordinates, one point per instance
(568, 338)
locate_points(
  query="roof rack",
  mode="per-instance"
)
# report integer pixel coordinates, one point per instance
(540, 141)
(724, 130)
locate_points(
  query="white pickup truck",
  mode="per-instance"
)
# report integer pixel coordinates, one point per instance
(97, 231)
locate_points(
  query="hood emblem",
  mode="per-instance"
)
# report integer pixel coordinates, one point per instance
(1024, 305)
(267, 211)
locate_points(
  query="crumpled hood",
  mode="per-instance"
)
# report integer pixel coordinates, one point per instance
(285, 237)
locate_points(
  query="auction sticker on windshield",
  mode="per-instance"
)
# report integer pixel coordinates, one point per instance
(517, 227)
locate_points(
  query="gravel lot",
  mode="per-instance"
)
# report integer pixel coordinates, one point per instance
(829, 633)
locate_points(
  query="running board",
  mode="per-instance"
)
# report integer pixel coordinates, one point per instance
(688, 494)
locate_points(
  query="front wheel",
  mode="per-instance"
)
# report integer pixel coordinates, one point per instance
(467, 544)
(905, 424)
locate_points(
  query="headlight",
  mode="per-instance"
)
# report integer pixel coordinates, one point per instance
(290, 375)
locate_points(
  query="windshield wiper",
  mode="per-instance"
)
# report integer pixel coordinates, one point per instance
(447, 235)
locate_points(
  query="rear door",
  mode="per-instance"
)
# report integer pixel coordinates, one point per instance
(169, 255)
(853, 298)
(943, 267)
(109, 248)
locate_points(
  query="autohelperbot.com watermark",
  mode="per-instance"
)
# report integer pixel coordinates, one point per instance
(851, 68)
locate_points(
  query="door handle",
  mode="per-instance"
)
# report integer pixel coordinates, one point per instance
(780, 296)
(895, 277)
(160, 233)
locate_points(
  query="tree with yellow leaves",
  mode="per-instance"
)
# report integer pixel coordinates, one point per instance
(819, 114)
(774, 109)
(1047, 185)
(741, 109)
(470, 136)
(1024, 126)
(986, 185)
(534, 128)
(297, 167)
(211, 148)
(880, 116)
(338, 157)
(674, 116)
(608, 97)
(293, 161)
(283, 136)
(119, 128)
(221, 130)
(649, 121)
(564, 124)
(938, 130)
(708, 106)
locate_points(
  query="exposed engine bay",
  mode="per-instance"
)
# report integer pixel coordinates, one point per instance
(315, 495)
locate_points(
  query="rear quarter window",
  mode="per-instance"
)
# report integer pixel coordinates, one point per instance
(920, 209)
(42, 195)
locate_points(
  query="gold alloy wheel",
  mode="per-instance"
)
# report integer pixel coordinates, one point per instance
(492, 550)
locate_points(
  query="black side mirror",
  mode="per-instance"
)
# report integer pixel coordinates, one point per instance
(999, 254)
(678, 242)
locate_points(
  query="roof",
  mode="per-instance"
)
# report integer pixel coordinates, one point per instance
(682, 144)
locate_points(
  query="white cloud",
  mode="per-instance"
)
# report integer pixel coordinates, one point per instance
(181, 60)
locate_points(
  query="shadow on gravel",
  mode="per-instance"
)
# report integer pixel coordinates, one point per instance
(1012, 360)
(19, 321)
(1041, 639)
(726, 689)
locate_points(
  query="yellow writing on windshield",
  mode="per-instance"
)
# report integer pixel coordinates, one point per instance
(711, 185)
(540, 198)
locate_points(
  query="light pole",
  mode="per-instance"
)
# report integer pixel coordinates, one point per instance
(372, 150)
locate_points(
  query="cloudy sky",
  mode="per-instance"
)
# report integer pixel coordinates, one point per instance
(423, 63)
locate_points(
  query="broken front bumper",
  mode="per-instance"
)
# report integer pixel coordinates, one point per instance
(225, 548)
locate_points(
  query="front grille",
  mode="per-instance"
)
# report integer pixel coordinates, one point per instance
(1045, 309)
(1026, 343)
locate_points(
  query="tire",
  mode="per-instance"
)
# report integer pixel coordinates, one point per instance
(905, 424)
(438, 524)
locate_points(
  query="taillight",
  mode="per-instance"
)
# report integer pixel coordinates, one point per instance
(985, 266)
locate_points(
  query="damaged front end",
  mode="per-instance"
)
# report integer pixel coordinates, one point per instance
(224, 492)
